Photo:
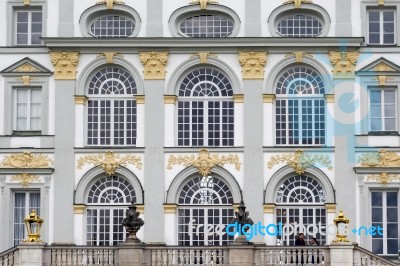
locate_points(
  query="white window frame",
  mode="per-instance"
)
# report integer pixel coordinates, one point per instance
(29, 11)
(383, 116)
(384, 218)
(381, 23)
(26, 207)
(28, 106)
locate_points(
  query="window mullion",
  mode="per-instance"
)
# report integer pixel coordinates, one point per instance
(384, 222)
(125, 101)
(381, 35)
(29, 28)
(112, 141)
(300, 119)
(383, 126)
(28, 109)
(205, 122)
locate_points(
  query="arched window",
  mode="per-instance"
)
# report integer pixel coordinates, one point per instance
(205, 208)
(299, 25)
(207, 26)
(112, 26)
(107, 201)
(300, 107)
(112, 108)
(300, 203)
(205, 109)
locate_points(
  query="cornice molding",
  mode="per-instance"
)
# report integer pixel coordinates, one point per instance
(252, 43)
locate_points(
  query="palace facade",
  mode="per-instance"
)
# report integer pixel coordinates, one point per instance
(188, 108)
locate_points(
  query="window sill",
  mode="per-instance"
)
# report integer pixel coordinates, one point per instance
(26, 133)
(383, 133)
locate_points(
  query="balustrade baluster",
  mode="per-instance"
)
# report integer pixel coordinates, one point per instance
(169, 262)
(90, 257)
(159, 257)
(181, 257)
(175, 257)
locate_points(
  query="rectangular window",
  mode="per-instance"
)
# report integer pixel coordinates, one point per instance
(381, 26)
(27, 109)
(385, 213)
(24, 203)
(383, 110)
(300, 122)
(28, 28)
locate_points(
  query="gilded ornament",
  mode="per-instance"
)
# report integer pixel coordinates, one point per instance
(300, 161)
(330, 98)
(381, 2)
(297, 3)
(382, 67)
(383, 158)
(253, 63)
(26, 67)
(154, 64)
(170, 99)
(203, 56)
(26, 160)
(238, 98)
(26, 80)
(110, 3)
(110, 56)
(203, 3)
(80, 99)
(25, 179)
(109, 161)
(27, 2)
(268, 98)
(65, 64)
(139, 99)
(298, 55)
(343, 63)
(382, 80)
(205, 162)
(384, 178)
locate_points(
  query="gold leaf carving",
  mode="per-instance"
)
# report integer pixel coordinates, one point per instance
(26, 67)
(384, 178)
(154, 64)
(253, 64)
(110, 3)
(382, 67)
(383, 158)
(26, 80)
(26, 160)
(300, 161)
(203, 56)
(110, 161)
(110, 56)
(65, 64)
(204, 162)
(203, 3)
(343, 63)
(297, 3)
(25, 179)
(298, 55)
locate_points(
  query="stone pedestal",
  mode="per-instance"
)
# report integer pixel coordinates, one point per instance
(30, 254)
(241, 254)
(130, 255)
(341, 254)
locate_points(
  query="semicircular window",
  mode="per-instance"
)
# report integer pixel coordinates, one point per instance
(299, 25)
(112, 26)
(207, 26)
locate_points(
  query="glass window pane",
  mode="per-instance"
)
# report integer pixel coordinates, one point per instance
(391, 199)
(376, 198)
(377, 246)
(393, 246)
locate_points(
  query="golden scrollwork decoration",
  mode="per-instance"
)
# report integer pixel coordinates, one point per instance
(65, 64)
(154, 64)
(203, 56)
(299, 55)
(297, 3)
(253, 63)
(26, 160)
(110, 3)
(300, 161)
(344, 63)
(383, 158)
(382, 67)
(110, 56)
(204, 162)
(203, 3)
(109, 161)
(384, 178)
(26, 67)
(25, 179)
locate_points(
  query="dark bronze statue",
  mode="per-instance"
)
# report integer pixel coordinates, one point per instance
(132, 223)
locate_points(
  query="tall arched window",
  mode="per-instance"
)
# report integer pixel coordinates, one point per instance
(107, 202)
(205, 109)
(205, 208)
(300, 202)
(300, 107)
(112, 108)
